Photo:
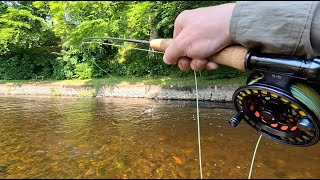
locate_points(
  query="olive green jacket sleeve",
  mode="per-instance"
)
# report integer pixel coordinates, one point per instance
(279, 27)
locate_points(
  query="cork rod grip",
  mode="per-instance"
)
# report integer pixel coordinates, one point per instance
(232, 56)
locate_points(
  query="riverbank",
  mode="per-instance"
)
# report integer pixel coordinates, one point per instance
(162, 88)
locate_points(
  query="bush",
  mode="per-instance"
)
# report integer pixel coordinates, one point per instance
(83, 71)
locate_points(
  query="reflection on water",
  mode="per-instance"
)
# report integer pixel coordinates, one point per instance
(137, 138)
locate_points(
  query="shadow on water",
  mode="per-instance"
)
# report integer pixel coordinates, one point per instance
(137, 138)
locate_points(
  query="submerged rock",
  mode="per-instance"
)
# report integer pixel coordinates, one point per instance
(3, 168)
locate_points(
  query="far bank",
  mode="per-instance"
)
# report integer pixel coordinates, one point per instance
(219, 90)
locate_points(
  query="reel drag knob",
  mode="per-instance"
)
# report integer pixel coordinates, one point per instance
(305, 125)
(236, 119)
(268, 116)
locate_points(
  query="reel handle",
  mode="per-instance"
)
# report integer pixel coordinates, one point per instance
(233, 56)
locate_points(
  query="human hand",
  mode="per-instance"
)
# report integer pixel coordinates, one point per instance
(198, 34)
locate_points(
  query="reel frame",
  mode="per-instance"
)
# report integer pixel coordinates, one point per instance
(269, 87)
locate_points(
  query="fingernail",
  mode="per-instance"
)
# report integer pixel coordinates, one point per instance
(165, 60)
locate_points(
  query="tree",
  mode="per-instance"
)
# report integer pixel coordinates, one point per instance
(20, 29)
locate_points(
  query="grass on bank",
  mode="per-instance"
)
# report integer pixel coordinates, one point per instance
(179, 81)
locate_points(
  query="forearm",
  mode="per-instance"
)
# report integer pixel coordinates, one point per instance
(280, 27)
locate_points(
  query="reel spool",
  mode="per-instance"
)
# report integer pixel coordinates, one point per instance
(281, 105)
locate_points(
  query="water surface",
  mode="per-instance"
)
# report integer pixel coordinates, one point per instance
(137, 138)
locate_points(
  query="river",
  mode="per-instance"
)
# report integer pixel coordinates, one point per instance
(52, 137)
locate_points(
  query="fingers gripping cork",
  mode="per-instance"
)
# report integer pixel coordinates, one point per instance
(232, 56)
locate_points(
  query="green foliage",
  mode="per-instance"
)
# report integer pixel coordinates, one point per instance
(223, 72)
(65, 65)
(46, 38)
(19, 29)
(86, 29)
(139, 20)
(3, 7)
(83, 71)
(8, 68)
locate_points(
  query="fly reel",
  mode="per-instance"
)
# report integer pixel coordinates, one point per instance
(280, 99)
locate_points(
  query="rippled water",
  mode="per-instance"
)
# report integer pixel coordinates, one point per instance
(137, 138)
